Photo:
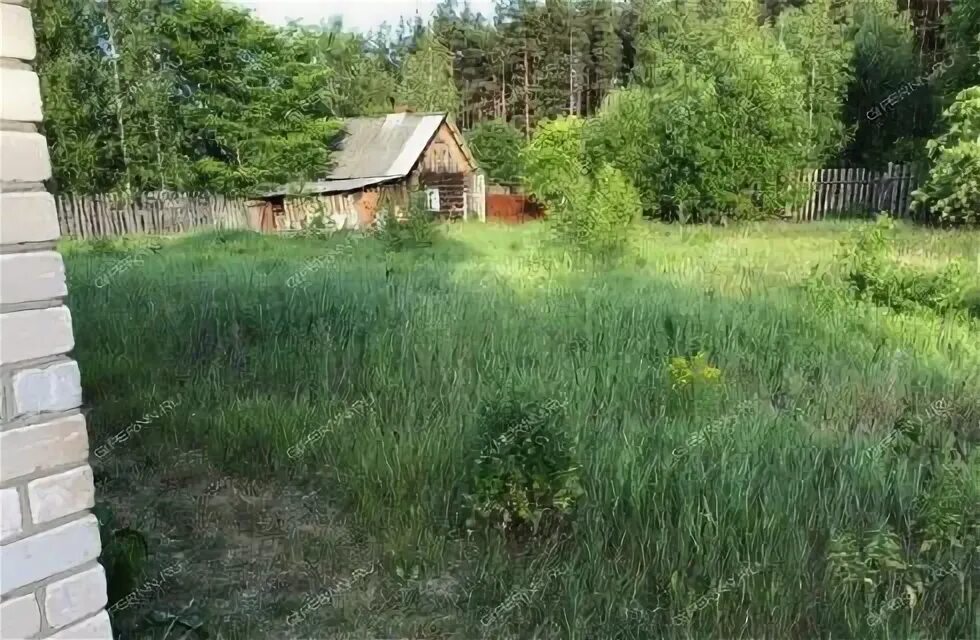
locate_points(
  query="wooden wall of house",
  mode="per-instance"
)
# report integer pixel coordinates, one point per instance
(341, 208)
(357, 209)
(451, 187)
(444, 155)
(444, 166)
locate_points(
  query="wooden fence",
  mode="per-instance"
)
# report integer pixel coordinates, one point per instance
(104, 215)
(853, 191)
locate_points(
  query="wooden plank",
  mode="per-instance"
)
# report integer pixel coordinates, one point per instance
(800, 205)
(83, 229)
(814, 198)
(893, 195)
(903, 200)
(156, 217)
(909, 188)
(98, 214)
(83, 209)
(822, 195)
(113, 217)
(899, 185)
(131, 218)
(810, 177)
(94, 206)
(832, 184)
(91, 207)
(841, 184)
(882, 204)
(840, 203)
(814, 195)
(828, 200)
(63, 215)
(74, 227)
(811, 201)
(863, 189)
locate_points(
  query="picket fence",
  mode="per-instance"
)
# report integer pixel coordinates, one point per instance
(106, 215)
(854, 191)
(830, 193)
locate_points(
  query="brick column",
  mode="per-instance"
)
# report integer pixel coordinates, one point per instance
(51, 585)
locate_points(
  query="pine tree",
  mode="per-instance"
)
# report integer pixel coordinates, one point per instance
(427, 80)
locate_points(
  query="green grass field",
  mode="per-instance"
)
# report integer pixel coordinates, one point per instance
(790, 499)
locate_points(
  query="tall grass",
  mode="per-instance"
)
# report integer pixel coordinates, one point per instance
(728, 513)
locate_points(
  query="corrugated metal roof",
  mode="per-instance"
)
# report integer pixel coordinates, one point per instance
(374, 150)
(328, 186)
(385, 146)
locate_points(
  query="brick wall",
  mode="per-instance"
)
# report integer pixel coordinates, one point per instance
(51, 585)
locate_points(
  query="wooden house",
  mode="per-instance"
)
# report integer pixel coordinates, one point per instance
(379, 162)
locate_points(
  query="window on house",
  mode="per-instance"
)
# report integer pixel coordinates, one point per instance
(432, 196)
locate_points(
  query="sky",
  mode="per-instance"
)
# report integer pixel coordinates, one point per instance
(359, 15)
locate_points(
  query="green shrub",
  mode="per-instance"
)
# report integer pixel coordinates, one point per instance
(872, 274)
(688, 373)
(497, 146)
(717, 124)
(416, 229)
(525, 478)
(554, 162)
(598, 221)
(694, 381)
(951, 194)
(591, 212)
(319, 225)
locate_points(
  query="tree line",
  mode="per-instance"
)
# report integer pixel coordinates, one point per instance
(197, 95)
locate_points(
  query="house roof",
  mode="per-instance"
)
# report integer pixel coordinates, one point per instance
(378, 149)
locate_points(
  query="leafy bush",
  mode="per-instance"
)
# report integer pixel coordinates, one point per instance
(318, 224)
(414, 230)
(872, 274)
(554, 161)
(717, 123)
(525, 479)
(695, 371)
(694, 381)
(588, 212)
(598, 220)
(951, 194)
(497, 146)
(816, 34)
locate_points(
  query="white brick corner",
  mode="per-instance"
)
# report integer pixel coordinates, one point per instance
(39, 447)
(28, 216)
(75, 597)
(24, 156)
(35, 334)
(62, 494)
(29, 276)
(57, 387)
(16, 32)
(25, 86)
(95, 628)
(48, 553)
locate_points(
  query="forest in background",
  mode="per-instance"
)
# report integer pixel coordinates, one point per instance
(196, 95)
